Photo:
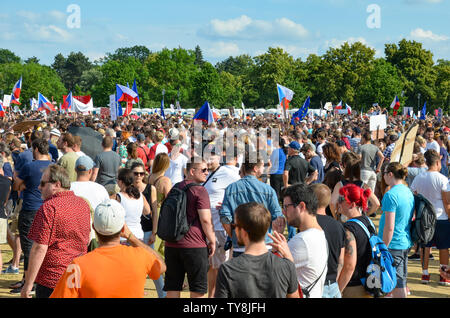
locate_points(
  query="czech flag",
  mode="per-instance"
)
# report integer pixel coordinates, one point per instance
(285, 96)
(45, 104)
(395, 105)
(68, 102)
(2, 111)
(126, 94)
(16, 92)
(205, 114)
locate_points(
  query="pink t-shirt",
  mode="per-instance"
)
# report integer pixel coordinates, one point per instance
(198, 199)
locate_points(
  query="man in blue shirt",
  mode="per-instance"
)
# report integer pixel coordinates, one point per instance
(28, 181)
(250, 189)
(314, 160)
(278, 160)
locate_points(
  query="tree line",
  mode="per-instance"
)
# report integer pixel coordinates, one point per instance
(350, 73)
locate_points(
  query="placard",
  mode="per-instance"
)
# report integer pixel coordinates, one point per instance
(113, 107)
(407, 145)
(378, 122)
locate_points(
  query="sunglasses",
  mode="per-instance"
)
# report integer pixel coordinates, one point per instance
(139, 174)
(204, 170)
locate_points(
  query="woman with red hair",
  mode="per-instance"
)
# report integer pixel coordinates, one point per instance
(352, 203)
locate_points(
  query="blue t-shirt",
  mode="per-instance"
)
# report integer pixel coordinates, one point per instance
(53, 151)
(317, 163)
(31, 174)
(278, 160)
(398, 200)
(23, 158)
(7, 170)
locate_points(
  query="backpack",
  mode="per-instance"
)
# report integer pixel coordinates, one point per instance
(381, 275)
(424, 222)
(172, 222)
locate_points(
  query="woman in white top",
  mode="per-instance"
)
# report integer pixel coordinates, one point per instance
(177, 168)
(133, 202)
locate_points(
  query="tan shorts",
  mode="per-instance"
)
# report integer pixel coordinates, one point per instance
(220, 256)
(14, 219)
(3, 231)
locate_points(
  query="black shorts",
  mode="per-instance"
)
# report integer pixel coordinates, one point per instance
(190, 261)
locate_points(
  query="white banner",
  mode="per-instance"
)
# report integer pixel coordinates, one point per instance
(378, 121)
(407, 110)
(6, 100)
(79, 107)
(113, 107)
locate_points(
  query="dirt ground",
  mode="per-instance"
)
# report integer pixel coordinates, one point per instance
(418, 290)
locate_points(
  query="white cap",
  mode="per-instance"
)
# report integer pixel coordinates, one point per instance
(109, 217)
(174, 133)
(55, 132)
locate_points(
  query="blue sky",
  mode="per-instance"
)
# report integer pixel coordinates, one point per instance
(221, 28)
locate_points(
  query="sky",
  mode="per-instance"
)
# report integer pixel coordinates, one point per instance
(222, 28)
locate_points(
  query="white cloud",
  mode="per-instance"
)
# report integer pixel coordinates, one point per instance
(245, 28)
(28, 15)
(297, 51)
(58, 15)
(48, 33)
(427, 35)
(222, 49)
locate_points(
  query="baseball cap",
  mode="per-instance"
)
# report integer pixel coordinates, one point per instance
(294, 145)
(55, 132)
(141, 137)
(84, 163)
(109, 217)
(174, 133)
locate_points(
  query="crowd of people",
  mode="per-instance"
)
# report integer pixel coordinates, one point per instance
(268, 205)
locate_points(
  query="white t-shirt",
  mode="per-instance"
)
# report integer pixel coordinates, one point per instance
(431, 185)
(433, 145)
(310, 252)
(133, 211)
(175, 171)
(320, 153)
(94, 192)
(216, 186)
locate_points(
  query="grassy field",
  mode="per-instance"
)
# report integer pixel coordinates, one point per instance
(418, 290)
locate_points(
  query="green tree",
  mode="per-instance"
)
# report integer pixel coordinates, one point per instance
(231, 90)
(33, 59)
(138, 52)
(272, 68)
(347, 68)
(198, 56)
(71, 68)
(6, 56)
(442, 86)
(36, 78)
(416, 68)
(207, 86)
(320, 83)
(88, 80)
(383, 83)
(237, 66)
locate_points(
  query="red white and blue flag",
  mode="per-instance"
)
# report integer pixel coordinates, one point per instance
(45, 104)
(205, 114)
(339, 109)
(395, 105)
(2, 111)
(16, 92)
(68, 102)
(285, 96)
(126, 94)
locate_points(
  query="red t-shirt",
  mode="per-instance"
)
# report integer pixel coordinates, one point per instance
(63, 223)
(143, 153)
(197, 199)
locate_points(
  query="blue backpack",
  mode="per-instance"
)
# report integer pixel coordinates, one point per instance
(381, 275)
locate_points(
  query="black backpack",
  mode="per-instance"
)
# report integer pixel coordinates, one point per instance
(172, 223)
(424, 222)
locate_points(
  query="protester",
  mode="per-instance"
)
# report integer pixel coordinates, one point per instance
(219, 178)
(190, 254)
(60, 233)
(257, 273)
(352, 202)
(434, 187)
(315, 161)
(308, 249)
(369, 168)
(5, 190)
(107, 164)
(123, 268)
(297, 169)
(66, 143)
(395, 222)
(250, 189)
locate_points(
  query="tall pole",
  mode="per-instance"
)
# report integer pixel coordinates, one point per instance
(418, 101)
